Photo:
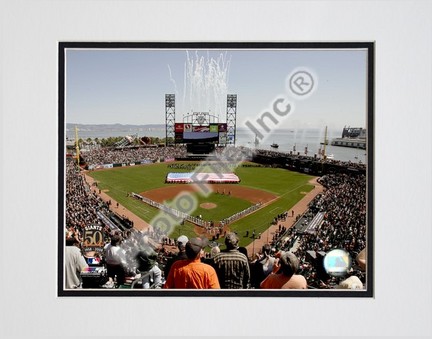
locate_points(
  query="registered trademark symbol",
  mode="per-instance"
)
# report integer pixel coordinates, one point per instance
(301, 83)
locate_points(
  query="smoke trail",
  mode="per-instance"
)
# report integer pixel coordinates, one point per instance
(172, 80)
(205, 83)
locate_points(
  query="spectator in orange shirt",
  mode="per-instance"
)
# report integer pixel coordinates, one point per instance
(192, 273)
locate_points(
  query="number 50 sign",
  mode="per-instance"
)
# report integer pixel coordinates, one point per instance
(93, 238)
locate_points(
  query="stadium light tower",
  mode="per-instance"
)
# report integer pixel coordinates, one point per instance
(231, 118)
(169, 118)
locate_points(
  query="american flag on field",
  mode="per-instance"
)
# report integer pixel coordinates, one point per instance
(202, 177)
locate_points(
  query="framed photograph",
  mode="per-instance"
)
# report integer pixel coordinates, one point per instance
(220, 169)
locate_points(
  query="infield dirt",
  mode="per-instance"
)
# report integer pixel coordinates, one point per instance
(250, 194)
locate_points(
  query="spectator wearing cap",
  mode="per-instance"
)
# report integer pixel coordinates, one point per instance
(232, 267)
(192, 273)
(181, 255)
(285, 277)
(151, 275)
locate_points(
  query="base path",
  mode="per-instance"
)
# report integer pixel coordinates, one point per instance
(299, 208)
(138, 223)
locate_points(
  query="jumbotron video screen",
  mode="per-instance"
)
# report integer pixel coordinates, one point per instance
(189, 133)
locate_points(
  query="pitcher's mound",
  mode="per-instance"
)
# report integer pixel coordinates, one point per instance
(208, 205)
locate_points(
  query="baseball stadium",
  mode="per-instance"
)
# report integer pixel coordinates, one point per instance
(143, 214)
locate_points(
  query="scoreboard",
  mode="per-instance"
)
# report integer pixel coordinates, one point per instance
(192, 133)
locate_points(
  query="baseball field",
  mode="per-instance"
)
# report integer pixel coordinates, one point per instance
(275, 189)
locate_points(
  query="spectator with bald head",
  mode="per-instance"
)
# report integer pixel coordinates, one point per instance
(285, 277)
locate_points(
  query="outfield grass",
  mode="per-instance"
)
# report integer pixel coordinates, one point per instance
(289, 186)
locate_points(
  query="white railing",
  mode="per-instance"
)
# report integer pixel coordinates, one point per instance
(172, 211)
(241, 214)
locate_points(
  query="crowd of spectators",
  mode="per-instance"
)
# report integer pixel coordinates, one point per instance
(103, 156)
(343, 204)
(302, 156)
(344, 225)
(126, 252)
(82, 204)
(349, 163)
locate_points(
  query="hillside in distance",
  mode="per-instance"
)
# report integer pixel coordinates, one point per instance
(113, 127)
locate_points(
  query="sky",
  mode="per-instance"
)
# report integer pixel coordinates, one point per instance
(128, 86)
